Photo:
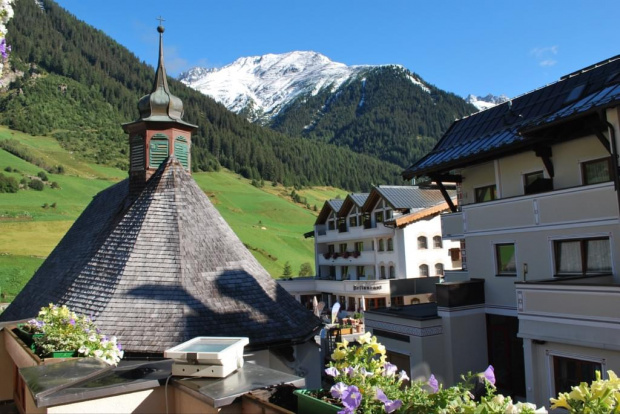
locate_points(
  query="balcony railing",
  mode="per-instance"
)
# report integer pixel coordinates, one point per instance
(570, 205)
(581, 310)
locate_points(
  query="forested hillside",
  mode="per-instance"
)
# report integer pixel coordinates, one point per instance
(381, 112)
(79, 85)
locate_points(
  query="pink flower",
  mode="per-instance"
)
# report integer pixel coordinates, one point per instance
(489, 374)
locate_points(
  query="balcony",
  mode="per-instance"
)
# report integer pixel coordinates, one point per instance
(452, 225)
(580, 310)
(593, 203)
(347, 258)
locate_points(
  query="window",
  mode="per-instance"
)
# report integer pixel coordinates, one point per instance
(389, 214)
(381, 245)
(375, 303)
(331, 225)
(382, 272)
(332, 272)
(568, 372)
(439, 269)
(359, 246)
(342, 225)
(422, 242)
(345, 272)
(582, 256)
(379, 217)
(331, 248)
(536, 183)
(342, 247)
(137, 153)
(596, 171)
(437, 242)
(390, 245)
(353, 221)
(505, 259)
(486, 193)
(397, 301)
(392, 272)
(361, 271)
(423, 270)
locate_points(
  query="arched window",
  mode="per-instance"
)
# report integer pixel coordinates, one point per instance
(423, 270)
(181, 151)
(390, 245)
(392, 272)
(422, 244)
(437, 242)
(381, 245)
(439, 269)
(382, 272)
(158, 150)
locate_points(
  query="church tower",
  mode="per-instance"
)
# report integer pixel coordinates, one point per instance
(159, 132)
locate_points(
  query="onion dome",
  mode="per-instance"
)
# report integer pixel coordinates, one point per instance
(160, 104)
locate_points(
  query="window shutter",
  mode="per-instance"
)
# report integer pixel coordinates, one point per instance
(181, 151)
(158, 150)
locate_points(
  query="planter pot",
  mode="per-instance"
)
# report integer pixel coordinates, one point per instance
(62, 354)
(27, 337)
(307, 404)
(346, 331)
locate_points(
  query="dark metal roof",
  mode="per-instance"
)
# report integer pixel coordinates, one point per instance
(405, 197)
(353, 199)
(503, 128)
(330, 205)
(161, 270)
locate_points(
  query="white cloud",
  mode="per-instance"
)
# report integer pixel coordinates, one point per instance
(544, 55)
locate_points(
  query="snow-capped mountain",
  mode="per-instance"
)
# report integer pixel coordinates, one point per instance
(261, 86)
(486, 102)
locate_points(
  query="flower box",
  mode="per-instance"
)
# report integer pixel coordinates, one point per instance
(327, 255)
(308, 404)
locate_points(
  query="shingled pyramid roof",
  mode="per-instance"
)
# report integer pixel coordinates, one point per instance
(162, 269)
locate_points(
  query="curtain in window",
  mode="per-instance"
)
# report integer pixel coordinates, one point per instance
(569, 257)
(599, 256)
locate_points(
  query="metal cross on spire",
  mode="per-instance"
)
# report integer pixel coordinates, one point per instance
(161, 19)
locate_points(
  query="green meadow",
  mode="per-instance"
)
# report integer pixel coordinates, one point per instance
(32, 223)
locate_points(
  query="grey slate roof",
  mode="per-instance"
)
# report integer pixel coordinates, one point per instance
(504, 129)
(406, 197)
(161, 270)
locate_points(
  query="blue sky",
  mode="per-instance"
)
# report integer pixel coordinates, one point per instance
(479, 47)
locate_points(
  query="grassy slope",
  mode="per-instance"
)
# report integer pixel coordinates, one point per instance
(266, 219)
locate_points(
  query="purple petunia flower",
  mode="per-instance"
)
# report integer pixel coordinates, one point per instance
(119, 346)
(72, 322)
(351, 397)
(433, 383)
(332, 372)
(389, 405)
(389, 369)
(337, 390)
(349, 371)
(489, 374)
(403, 376)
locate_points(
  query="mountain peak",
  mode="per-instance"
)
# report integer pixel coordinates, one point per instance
(261, 86)
(486, 102)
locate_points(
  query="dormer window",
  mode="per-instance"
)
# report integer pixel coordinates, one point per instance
(379, 217)
(353, 221)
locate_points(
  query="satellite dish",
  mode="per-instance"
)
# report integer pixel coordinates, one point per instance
(335, 310)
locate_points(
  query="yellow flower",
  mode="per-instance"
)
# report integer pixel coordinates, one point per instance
(342, 344)
(378, 348)
(364, 339)
(560, 402)
(339, 354)
(579, 393)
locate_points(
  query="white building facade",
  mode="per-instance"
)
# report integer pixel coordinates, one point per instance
(365, 243)
(538, 217)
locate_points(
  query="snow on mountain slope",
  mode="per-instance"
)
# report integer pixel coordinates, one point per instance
(486, 102)
(260, 86)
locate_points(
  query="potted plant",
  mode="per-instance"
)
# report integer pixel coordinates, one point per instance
(58, 332)
(366, 383)
(345, 255)
(327, 255)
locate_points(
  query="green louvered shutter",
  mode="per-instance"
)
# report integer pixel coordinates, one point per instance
(137, 153)
(158, 150)
(181, 151)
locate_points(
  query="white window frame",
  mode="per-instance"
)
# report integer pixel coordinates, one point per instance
(553, 353)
